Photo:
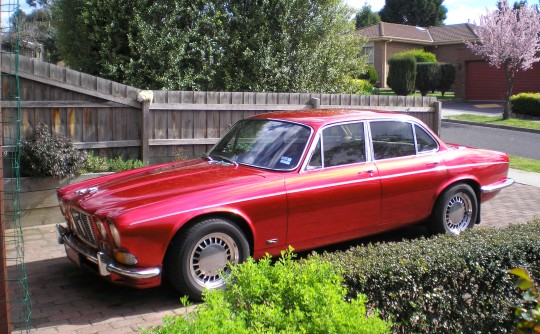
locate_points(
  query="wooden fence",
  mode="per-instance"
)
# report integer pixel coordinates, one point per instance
(102, 115)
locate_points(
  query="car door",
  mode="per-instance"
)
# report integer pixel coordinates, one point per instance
(410, 168)
(337, 196)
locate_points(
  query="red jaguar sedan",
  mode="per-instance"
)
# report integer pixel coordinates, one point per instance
(302, 178)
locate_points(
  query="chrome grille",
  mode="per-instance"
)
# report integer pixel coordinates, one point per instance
(83, 225)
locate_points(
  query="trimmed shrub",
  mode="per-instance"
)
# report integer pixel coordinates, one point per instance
(46, 153)
(371, 75)
(447, 77)
(445, 284)
(285, 297)
(402, 74)
(526, 103)
(420, 55)
(427, 77)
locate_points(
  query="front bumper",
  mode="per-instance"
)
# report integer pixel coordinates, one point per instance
(104, 263)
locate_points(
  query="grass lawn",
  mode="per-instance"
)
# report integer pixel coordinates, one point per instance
(517, 123)
(528, 165)
(438, 95)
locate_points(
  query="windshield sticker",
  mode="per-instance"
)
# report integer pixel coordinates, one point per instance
(285, 160)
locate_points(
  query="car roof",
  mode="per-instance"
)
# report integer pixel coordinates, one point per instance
(318, 117)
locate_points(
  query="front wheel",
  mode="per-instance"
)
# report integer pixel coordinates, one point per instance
(197, 259)
(455, 210)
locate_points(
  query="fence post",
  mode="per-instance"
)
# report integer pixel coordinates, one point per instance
(5, 317)
(438, 115)
(145, 139)
(315, 102)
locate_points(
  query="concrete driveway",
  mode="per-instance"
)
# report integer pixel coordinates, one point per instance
(68, 300)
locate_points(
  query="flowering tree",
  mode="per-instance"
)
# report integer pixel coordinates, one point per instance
(509, 38)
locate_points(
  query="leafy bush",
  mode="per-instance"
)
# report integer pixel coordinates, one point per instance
(402, 74)
(420, 55)
(360, 86)
(448, 76)
(46, 153)
(96, 164)
(445, 284)
(371, 75)
(526, 103)
(427, 77)
(529, 317)
(287, 297)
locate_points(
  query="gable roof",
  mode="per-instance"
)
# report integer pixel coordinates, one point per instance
(450, 34)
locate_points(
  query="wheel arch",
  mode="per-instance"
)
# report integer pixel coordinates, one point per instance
(240, 221)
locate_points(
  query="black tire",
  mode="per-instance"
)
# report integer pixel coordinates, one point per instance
(195, 258)
(456, 210)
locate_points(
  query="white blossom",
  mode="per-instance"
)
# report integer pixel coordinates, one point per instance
(145, 96)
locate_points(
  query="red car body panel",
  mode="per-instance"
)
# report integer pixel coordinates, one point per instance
(302, 208)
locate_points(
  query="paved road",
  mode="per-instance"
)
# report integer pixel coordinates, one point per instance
(522, 144)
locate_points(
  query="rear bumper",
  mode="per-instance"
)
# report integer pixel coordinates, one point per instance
(495, 187)
(104, 263)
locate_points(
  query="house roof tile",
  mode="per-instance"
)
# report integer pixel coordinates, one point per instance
(432, 35)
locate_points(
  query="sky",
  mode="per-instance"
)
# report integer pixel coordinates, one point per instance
(459, 11)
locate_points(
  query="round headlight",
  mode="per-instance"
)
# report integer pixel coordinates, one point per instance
(115, 235)
(101, 227)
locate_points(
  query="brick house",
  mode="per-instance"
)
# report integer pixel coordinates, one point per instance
(475, 79)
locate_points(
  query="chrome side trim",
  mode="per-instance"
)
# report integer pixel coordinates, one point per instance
(497, 186)
(105, 264)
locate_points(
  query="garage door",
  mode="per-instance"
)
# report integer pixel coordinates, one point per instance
(485, 82)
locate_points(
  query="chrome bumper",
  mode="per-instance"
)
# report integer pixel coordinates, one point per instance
(497, 186)
(105, 264)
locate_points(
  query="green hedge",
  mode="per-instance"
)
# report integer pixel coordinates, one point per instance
(402, 74)
(428, 76)
(420, 55)
(448, 76)
(445, 284)
(526, 103)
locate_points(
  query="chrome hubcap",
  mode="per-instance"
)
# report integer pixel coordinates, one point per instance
(209, 259)
(458, 213)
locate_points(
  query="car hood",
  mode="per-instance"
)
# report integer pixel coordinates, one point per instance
(204, 182)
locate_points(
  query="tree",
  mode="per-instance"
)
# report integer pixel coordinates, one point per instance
(366, 17)
(517, 4)
(35, 31)
(509, 40)
(422, 13)
(297, 45)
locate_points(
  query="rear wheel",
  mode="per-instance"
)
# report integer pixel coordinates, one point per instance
(197, 259)
(455, 210)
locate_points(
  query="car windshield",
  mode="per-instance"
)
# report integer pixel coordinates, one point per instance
(263, 143)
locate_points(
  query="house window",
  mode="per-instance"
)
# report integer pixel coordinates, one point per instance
(368, 50)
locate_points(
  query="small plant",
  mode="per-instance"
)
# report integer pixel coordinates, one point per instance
(529, 316)
(96, 164)
(360, 86)
(371, 75)
(286, 297)
(46, 153)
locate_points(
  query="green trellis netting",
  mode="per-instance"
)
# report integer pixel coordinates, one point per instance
(14, 297)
